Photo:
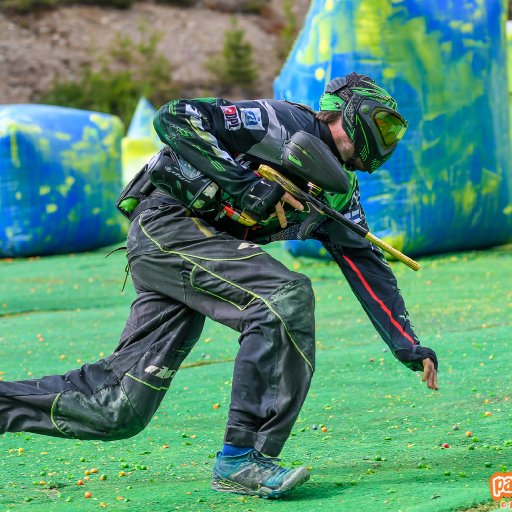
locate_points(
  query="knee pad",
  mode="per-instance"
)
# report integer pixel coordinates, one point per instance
(113, 400)
(296, 299)
(106, 415)
(294, 304)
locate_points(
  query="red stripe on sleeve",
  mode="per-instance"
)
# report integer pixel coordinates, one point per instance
(376, 299)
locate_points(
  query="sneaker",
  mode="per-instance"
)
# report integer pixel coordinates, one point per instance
(256, 475)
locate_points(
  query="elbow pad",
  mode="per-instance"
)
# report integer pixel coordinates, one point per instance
(414, 358)
(259, 201)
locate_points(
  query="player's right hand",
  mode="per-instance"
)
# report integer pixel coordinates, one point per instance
(429, 374)
(287, 198)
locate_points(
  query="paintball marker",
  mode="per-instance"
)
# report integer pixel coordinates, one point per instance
(305, 153)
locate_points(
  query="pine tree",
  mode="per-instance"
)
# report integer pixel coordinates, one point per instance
(234, 66)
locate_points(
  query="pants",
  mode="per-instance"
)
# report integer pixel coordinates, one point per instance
(183, 270)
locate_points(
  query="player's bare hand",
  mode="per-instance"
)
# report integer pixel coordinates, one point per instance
(429, 374)
(289, 199)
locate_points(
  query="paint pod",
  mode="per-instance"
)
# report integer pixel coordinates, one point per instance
(172, 174)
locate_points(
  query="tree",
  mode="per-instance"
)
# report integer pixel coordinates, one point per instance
(234, 66)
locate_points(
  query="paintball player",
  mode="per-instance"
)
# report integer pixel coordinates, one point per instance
(199, 212)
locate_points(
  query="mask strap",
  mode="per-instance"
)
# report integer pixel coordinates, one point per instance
(336, 85)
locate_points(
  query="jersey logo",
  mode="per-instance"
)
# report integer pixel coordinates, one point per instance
(187, 170)
(251, 118)
(245, 245)
(163, 373)
(231, 117)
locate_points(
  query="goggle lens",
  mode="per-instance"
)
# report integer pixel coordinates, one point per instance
(391, 126)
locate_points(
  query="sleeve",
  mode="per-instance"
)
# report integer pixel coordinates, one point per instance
(185, 126)
(374, 284)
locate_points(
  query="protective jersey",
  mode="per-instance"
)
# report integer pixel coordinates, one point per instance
(218, 137)
(223, 139)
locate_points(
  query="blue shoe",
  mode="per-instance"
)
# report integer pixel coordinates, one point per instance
(256, 475)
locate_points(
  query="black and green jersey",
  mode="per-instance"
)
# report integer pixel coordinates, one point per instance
(226, 140)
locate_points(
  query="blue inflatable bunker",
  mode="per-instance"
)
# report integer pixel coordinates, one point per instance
(60, 177)
(448, 186)
(307, 249)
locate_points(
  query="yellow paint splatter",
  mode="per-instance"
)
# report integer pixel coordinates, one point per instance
(389, 73)
(100, 120)
(44, 148)
(319, 73)
(325, 46)
(68, 183)
(466, 198)
(491, 182)
(15, 159)
(62, 136)
(369, 20)
(466, 28)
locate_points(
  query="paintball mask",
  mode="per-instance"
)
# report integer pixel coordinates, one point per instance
(369, 116)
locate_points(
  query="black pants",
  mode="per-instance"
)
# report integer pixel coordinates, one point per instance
(183, 270)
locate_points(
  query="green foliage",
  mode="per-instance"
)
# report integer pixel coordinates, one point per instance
(289, 31)
(120, 4)
(234, 66)
(113, 92)
(252, 6)
(129, 71)
(179, 3)
(25, 6)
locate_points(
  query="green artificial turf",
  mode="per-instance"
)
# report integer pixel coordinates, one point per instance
(382, 449)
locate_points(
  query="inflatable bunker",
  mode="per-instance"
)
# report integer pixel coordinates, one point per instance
(448, 186)
(141, 141)
(59, 181)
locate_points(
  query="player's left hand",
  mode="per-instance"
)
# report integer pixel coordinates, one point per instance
(429, 374)
(287, 198)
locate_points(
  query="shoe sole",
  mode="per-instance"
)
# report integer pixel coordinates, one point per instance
(297, 478)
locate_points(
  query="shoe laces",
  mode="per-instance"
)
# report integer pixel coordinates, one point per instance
(264, 458)
(270, 462)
